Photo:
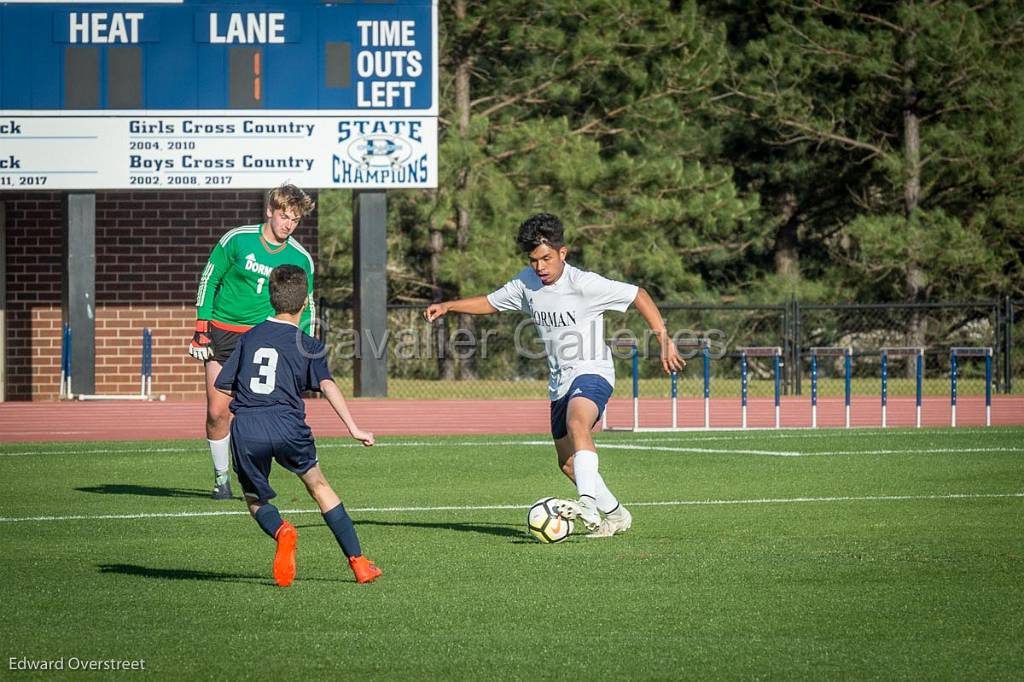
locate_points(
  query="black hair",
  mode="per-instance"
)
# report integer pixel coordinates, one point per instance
(289, 286)
(542, 228)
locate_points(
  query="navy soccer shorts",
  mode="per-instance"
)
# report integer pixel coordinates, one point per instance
(590, 386)
(261, 435)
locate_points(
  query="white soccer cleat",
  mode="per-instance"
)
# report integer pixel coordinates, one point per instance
(583, 509)
(618, 521)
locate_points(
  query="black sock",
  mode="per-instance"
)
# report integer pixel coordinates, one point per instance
(269, 519)
(340, 523)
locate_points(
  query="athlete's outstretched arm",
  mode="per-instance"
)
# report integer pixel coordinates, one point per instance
(337, 401)
(670, 358)
(216, 266)
(478, 305)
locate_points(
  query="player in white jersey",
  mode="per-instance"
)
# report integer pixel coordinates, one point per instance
(567, 306)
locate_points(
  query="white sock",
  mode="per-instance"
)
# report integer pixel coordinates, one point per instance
(606, 501)
(589, 481)
(584, 467)
(220, 451)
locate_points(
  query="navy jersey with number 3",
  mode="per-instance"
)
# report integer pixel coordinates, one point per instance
(273, 365)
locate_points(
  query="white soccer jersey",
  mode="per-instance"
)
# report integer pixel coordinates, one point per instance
(569, 316)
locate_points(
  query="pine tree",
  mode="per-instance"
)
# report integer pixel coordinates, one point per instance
(892, 134)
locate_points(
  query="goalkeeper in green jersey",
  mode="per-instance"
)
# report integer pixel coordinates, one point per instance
(234, 296)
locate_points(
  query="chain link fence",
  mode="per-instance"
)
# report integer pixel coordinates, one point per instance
(501, 356)
(1013, 343)
(867, 329)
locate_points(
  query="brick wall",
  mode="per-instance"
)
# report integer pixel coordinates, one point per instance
(34, 263)
(150, 249)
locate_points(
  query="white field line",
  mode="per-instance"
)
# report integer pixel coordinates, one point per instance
(760, 436)
(785, 453)
(101, 451)
(490, 507)
(199, 448)
(699, 451)
(772, 434)
(632, 445)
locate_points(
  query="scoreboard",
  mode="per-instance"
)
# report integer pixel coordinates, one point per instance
(218, 94)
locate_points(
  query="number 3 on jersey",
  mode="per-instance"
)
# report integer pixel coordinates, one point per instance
(264, 384)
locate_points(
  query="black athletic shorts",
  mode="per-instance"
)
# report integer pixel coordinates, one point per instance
(224, 343)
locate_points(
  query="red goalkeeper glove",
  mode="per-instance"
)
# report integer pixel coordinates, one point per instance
(200, 347)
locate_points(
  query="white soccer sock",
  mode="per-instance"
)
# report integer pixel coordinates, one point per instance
(589, 481)
(606, 501)
(584, 466)
(220, 451)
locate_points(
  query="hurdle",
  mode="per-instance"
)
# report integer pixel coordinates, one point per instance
(706, 357)
(634, 357)
(65, 364)
(847, 354)
(635, 363)
(918, 354)
(977, 352)
(775, 353)
(145, 374)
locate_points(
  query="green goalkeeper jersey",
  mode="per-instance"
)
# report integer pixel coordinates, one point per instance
(234, 288)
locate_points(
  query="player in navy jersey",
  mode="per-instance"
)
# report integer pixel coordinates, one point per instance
(233, 297)
(272, 365)
(567, 306)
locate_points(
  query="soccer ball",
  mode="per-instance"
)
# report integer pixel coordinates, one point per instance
(545, 524)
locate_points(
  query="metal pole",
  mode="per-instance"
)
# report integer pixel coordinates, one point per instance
(952, 388)
(885, 386)
(142, 367)
(707, 386)
(636, 388)
(848, 369)
(814, 389)
(920, 379)
(63, 360)
(776, 369)
(675, 401)
(370, 292)
(69, 392)
(743, 388)
(78, 294)
(988, 387)
(148, 363)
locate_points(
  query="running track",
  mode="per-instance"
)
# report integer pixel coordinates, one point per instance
(83, 421)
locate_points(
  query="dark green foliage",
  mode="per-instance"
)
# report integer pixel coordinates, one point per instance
(890, 134)
(722, 151)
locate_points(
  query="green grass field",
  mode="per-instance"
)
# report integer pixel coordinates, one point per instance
(785, 555)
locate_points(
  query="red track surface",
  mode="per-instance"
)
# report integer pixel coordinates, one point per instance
(82, 421)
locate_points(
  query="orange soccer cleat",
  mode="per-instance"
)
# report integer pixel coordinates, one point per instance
(366, 571)
(284, 559)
